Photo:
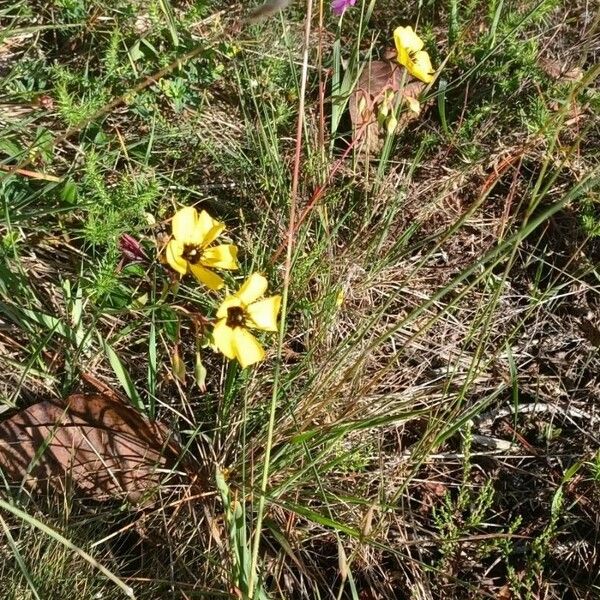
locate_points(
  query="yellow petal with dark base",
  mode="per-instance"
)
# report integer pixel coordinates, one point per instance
(264, 313)
(229, 302)
(175, 258)
(252, 289)
(223, 338)
(247, 348)
(221, 257)
(208, 278)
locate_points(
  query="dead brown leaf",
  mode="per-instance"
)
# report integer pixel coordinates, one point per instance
(377, 80)
(97, 445)
(560, 71)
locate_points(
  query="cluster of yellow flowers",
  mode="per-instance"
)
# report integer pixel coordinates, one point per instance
(190, 250)
(410, 54)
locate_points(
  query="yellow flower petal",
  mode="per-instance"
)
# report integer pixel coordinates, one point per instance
(208, 278)
(229, 302)
(223, 338)
(220, 257)
(184, 225)
(422, 68)
(252, 289)
(174, 258)
(407, 40)
(264, 313)
(247, 348)
(209, 228)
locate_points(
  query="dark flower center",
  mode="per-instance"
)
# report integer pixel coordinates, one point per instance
(191, 253)
(235, 317)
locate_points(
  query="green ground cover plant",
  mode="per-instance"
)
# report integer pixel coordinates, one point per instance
(347, 254)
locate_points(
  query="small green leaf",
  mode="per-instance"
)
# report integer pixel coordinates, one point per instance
(135, 53)
(122, 374)
(170, 323)
(69, 191)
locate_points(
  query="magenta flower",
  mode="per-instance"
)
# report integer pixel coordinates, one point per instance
(131, 249)
(339, 6)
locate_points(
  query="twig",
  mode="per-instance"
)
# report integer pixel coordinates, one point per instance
(487, 420)
(30, 174)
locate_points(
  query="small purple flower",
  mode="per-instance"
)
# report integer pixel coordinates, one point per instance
(339, 6)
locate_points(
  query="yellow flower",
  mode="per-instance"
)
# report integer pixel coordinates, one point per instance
(241, 311)
(188, 251)
(411, 55)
